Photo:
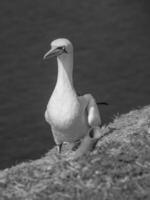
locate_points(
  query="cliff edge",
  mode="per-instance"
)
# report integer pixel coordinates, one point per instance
(118, 168)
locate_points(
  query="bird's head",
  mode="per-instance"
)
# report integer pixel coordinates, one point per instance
(59, 47)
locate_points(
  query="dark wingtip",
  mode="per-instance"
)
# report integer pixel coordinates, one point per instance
(103, 103)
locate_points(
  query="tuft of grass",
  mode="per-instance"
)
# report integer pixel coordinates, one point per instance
(118, 168)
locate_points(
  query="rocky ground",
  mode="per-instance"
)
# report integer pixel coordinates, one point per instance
(118, 168)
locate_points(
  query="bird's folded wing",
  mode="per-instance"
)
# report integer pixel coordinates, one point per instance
(92, 111)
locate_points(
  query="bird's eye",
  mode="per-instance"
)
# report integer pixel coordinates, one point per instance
(62, 48)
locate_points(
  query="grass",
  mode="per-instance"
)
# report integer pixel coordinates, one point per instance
(119, 167)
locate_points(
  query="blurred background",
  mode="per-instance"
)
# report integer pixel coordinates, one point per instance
(112, 61)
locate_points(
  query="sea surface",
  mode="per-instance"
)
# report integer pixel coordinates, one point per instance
(111, 40)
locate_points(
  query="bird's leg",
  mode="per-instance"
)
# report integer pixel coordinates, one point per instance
(89, 142)
(76, 145)
(85, 146)
(59, 147)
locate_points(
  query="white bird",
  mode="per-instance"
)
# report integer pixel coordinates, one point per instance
(71, 117)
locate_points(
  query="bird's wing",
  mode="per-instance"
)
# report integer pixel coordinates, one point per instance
(94, 122)
(93, 114)
(99, 103)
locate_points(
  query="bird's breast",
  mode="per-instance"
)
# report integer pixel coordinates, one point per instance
(66, 115)
(63, 111)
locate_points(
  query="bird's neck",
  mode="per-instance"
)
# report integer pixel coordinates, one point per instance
(65, 71)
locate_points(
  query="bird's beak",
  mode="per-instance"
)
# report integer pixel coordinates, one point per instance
(54, 51)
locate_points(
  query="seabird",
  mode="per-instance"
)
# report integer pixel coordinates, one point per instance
(71, 117)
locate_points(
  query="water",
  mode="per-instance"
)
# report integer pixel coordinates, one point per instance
(112, 61)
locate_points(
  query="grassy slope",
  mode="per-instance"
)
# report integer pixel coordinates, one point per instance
(119, 168)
